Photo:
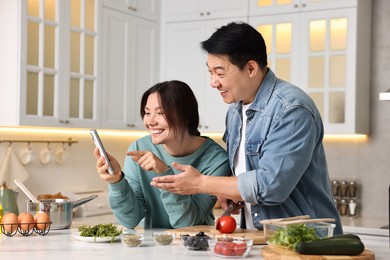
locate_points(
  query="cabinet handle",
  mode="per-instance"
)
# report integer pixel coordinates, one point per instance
(208, 13)
(64, 121)
(303, 5)
(130, 125)
(132, 8)
(295, 6)
(201, 14)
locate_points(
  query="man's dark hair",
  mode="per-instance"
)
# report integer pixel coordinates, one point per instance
(240, 42)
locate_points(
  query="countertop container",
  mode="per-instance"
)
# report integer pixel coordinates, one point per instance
(60, 210)
(230, 247)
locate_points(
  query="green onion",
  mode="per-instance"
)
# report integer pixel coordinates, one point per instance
(100, 230)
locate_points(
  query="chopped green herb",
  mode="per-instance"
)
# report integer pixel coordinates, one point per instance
(100, 230)
(289, 236)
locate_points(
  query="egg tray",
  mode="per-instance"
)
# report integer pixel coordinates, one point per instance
(23, 232)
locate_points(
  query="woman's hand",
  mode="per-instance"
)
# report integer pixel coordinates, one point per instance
(185, 183)
(148, 161)
(102, 166)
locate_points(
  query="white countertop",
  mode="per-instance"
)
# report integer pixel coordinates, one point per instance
(60, 244)
(365, 226)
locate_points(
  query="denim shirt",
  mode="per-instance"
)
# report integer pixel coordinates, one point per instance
(287, 173)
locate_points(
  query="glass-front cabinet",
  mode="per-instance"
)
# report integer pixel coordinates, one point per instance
(267, 7)
(61, 67)
(56, 49)
(325, 52)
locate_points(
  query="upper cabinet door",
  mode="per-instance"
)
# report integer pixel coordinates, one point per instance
(325, 53)
(148, 9)
(58, 63)
(190, 10)
(267, 7)
(281, 36)
(40, 78)
(130, 66)
(82, 84)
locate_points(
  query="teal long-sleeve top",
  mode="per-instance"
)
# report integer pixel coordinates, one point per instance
(133, 198)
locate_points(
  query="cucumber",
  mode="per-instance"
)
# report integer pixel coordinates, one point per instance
(342, 236)
(331, 246)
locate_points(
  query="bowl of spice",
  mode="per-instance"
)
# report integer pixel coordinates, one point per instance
(163, 238)
(131, 239)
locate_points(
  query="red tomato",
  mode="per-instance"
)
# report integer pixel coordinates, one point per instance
(239, 249)
(228, 249)
(218, 248)
(226, 224)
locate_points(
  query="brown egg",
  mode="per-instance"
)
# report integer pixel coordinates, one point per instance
(42, 220)
(10, 222)
(21, 215)
(27, 221)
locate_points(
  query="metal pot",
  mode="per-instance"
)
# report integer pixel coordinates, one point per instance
(60, 210)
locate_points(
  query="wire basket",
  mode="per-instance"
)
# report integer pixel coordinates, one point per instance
(25, 229)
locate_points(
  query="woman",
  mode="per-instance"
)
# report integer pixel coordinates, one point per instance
(170, 113)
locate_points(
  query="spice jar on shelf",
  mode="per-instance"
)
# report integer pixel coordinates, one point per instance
(335, 187)
(352, 205)
(343, 209)
(352, 189)
(343, 188)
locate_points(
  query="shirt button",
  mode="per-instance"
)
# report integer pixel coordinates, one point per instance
(255, 215)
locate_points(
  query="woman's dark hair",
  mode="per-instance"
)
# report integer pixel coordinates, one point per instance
(178, 103)
(240, 42)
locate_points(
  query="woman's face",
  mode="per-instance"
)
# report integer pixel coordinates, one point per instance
(155, 122)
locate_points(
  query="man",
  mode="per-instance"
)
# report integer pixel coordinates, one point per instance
(274, 136)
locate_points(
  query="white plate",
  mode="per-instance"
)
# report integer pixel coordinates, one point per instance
(76, 235)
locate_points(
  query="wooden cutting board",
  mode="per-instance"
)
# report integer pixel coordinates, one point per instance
(256, 235)
(272, 252)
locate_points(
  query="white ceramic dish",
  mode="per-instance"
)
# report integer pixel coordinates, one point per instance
(77, 236)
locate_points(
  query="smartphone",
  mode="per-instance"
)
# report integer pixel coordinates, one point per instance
(99, 144)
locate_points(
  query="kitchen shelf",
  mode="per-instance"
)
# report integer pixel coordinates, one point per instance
(69, 141)
(385, 95)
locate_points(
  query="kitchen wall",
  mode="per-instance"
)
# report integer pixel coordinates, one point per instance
(368, 160)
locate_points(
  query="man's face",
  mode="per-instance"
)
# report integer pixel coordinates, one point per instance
(231, 82)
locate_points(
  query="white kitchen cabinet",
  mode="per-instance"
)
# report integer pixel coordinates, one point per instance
(268, 7)
(190, 10)
(148, 9)
(326, 53)
(183, 59)
(185, 24)
(130, 66)
(49, 63)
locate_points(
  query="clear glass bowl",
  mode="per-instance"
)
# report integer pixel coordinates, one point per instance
(131, 239)
(320, 230)
(198, 242)
(163, 238)
(230, 247)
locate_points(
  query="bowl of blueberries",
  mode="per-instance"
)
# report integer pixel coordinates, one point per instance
(198, 242)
